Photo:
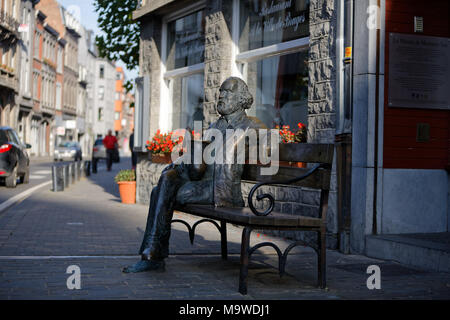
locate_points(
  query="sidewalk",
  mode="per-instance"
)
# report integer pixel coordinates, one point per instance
(86, 225)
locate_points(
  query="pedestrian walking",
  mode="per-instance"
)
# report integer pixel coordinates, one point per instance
(111, 146)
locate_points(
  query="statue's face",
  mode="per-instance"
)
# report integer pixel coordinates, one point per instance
(228, 98)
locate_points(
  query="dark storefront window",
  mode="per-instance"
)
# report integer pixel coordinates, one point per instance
(280, 87)
(187, 102)
(268, 22)
(186, 41)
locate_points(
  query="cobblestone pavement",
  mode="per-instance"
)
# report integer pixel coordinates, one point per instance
(87, 226)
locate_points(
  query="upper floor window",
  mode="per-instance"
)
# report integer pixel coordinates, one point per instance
(267, 22)
(102, 72)
(277, 76)
(186, 41)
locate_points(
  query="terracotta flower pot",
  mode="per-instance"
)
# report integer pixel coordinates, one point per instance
(161, 158)
(127, 190)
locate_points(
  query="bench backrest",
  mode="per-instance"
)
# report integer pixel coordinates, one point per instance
(299, 152)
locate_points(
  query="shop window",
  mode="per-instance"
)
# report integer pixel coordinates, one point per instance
(272, 55)
(183, 67)
(187, 101)
(185, 41)
(280, 89)
(267, 22)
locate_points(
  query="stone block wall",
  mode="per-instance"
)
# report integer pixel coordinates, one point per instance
(218, 50)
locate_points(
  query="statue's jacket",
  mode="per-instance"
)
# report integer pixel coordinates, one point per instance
(226, 173)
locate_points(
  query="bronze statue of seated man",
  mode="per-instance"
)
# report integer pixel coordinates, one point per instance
(216, 184)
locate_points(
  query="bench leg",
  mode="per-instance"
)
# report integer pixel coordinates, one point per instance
(223, 239)
(245, 243)
(321, 258)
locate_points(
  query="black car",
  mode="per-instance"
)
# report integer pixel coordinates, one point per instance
(14, 160)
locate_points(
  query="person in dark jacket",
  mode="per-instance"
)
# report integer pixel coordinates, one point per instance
(133, 154)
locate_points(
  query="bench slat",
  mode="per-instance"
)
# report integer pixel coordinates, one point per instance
(318, 180)
(244, 216)
(306, 152)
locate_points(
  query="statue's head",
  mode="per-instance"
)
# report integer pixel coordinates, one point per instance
(233, 96)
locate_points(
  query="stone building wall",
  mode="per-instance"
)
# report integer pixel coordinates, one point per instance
(217, 54)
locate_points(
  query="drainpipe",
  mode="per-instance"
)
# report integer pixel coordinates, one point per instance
(343, 138)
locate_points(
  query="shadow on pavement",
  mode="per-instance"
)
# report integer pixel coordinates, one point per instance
(105, 178)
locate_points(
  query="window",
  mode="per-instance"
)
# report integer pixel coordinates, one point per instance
(265, 22)
(102, 72)
(36, 44)
(182, 86)
(185, 41)
(58, 96)
(279, 86)
(100, 114)
(59, 67)
(187, 101)
(35, 84)
(118, 76)
(272, 43)
(117, 115)
(101, 92)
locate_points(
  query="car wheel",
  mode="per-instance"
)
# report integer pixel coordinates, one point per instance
(26, 177)
(11, 181)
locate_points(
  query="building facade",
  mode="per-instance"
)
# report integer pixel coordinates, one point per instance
(25, 97)
(86, 79)
(329, 65)
(10, 61)
(105, 88)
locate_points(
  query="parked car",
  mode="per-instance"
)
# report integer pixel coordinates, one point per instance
(98, 153)
(68, 150)
(14, 160)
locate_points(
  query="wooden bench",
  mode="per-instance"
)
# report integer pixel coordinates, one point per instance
(316, 176)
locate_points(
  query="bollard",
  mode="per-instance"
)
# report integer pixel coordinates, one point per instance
(79, 169)
(87, 168)
(69, 173)
(58, 178)
(66, 175)
(73, 172)
(82, 172)
(76, 173)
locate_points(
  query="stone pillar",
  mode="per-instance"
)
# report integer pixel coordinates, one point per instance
(322, 92)
(150, 64)
(218, 49)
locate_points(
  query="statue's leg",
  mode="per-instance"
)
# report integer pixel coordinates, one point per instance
(154, 247)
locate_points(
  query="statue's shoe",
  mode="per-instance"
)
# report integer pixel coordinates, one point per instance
(145, 265)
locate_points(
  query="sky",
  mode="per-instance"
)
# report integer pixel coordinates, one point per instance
(85, 12)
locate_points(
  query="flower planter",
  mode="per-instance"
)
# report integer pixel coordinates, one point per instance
(127, 190)
(161, 158)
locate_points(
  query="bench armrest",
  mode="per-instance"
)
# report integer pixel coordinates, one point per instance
(270, 197)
